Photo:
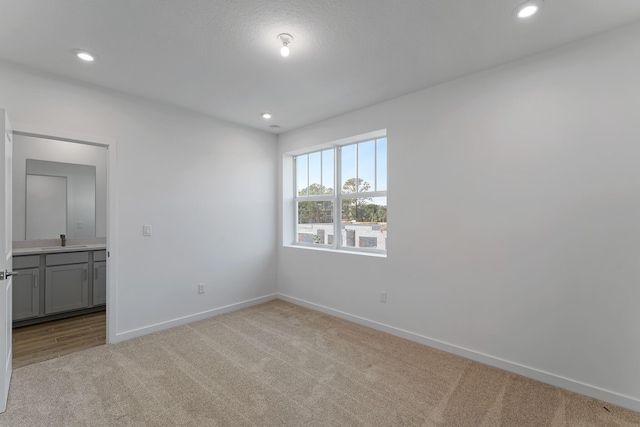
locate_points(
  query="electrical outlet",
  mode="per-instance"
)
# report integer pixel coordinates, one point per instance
(383, 296)
(201, 288)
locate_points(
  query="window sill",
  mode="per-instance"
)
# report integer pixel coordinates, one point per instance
(339, 251)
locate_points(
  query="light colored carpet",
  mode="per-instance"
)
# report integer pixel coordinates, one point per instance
(278, 364)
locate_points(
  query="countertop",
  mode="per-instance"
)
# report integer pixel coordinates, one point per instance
(55, 249)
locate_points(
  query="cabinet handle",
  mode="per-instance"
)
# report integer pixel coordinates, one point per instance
(85, 274)
(95, 273)
(35, 281)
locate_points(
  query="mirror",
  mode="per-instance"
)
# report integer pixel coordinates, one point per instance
(60, 199)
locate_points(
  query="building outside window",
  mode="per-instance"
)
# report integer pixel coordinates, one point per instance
(355, 209)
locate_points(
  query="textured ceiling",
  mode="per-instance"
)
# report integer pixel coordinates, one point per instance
(221, 57)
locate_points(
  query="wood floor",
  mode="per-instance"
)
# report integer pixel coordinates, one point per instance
(44, 341)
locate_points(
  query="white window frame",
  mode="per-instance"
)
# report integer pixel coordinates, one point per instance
(315, 198)
(338, 196)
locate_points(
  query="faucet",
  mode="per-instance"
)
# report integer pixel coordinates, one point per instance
(63, 238)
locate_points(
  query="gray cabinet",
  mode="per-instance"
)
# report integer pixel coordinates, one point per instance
(53, 285)
(99, 282)
(26, 294)
(67, 288)
(26, 287)
(66, 282)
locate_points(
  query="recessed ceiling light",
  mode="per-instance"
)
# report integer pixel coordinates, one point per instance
(528, 8)
(84, 55)
(528, 11)
(266, 115)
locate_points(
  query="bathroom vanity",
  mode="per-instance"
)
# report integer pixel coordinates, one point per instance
(55, 282)
(51, 198)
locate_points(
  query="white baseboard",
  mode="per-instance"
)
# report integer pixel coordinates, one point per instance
(545, 377)
(123, 336)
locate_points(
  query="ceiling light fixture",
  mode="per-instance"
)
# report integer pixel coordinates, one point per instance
(528, 8)
(266, 115)
(84, 55)
(285, 39)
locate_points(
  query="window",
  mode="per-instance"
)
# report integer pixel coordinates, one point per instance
(355, 209)
(315, 202)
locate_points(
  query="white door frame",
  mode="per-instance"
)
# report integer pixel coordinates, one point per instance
(111, 146)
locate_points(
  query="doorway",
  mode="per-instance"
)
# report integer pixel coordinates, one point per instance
(56, 327)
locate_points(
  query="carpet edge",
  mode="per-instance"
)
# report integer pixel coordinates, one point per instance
(138, 332)
(526, 371)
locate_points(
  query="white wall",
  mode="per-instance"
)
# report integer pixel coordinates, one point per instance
(197, 180)
(26, 147)
(514, 218)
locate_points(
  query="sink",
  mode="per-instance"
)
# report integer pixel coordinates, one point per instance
(63, 247)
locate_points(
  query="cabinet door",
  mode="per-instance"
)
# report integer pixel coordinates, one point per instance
(99, 282)
(26, 294)
(66, 288)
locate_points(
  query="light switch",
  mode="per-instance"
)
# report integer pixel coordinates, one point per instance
(146, 230)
